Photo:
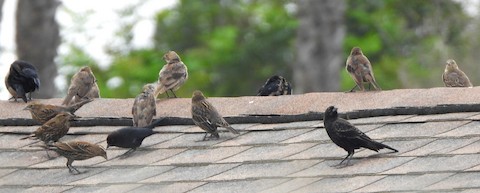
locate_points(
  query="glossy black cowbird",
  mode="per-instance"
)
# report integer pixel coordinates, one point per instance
(22, 79)
(275, 86)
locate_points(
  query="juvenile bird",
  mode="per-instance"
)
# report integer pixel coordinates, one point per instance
(207, 117)
(44, 112)
(454, 77)
(53, 129)
(80, 84)
(172, 75)
(77, 150)
(275, 86)
(144, 107)
(22, 79)
(360, 69)
(347, 136)
(93, 93)
(130, 137)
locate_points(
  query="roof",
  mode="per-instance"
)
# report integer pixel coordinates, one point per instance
(283, 146)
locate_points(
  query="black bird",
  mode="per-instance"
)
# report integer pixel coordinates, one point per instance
(130, 137)
(347, 136)
(275, 86)
(22, 79)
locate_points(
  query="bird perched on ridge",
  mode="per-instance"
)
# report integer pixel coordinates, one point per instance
(172, 75)
(53, 129)
(77, 150)
(93, 93)
(130, 137)
(80, 84)
(347, 136)
(454, 77)
(144, 107)
(207, 117)
(22, 79)
(44, 112)
(275, 86)
(360, 69)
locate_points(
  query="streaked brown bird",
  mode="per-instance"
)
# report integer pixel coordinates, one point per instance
(92, 94)
(360, 69)
(144, 106)
(77, 150)
(53, 129)
(22, 79)
(207, 117)
(172, 75)
(454, 77)
(44, 112)
(275, 86)
(80, 84)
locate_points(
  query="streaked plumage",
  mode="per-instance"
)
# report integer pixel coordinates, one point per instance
(53, 129)
(360, 69)
(77, 150)
(275, 86)
(21, 79)
(454, 77)
(44, 112)
(144, 106)
(80, 84)
(172, 75)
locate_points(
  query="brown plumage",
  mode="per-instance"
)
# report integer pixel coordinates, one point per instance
(207, 117)
(44, 112)
(454, 77)
(172, 75)
(80, 84)
(92, 94)
(275, 86)
(144, 107)
(360, 69)
(53, 129)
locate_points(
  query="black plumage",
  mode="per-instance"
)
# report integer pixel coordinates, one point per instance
(275, 86)
(22, 79)
(347, 136)
(130, 137)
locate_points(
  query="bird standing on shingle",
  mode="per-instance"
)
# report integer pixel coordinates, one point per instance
(360, 69)
(454, 77)
(144, 107)
(80, 84)
(275, 86)
(22, 79)
(207, 117)
(347, 136)
(44, 112)
(130, 137)
(172, 75)
(53, 129)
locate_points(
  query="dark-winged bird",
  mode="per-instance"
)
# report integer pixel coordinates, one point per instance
(44, 112)
(130, 137)
(347, 136)
(172, 75)
(275, 86)
(360, 69)
(22, 79)
(454, 77)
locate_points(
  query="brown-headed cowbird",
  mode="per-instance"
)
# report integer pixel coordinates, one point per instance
(53, 129)
(144, 106)
(275, 86)
(130, 137)
(347, 136)
(44, 112)
(360, 69)
(92, 94)
(80, 84)
(454, 77)
(22, 79)
(207, 117)
(77, 150)
(172, 75)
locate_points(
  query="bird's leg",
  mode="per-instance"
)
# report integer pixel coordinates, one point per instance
(72, 169)
(205, 137)
(168, 96)
(348, 157)
(175, 96)
(351, 90)
(30, 96)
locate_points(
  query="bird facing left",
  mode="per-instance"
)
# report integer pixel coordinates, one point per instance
(22, 79)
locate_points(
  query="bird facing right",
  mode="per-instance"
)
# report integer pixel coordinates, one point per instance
(360, 69)
(454, 77)
(275, 86)
(144, 106)
(172, 75)
(130, 137)
(22, 79)
(80, 84)
(347, 136)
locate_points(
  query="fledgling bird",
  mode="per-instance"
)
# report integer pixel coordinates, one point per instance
(80, 84)
(22, 79)
(207, 117)
(77, 150)
(275, 86)
(347, 136)
(172, 75)
(360, 69)
(144, 106)
(53, 129)
(44, 112)
(454, 77)
(92, 94)
(130, 137)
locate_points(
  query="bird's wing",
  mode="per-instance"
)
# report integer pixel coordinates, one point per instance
(346, 130)
(202, 118)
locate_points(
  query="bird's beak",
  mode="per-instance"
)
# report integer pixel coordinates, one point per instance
(108, 145)
(105, 157)
(335, 109)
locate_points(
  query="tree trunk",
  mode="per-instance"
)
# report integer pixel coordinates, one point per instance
(319, 45)
(37, 40)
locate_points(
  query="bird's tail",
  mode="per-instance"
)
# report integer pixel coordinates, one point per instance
(231, 129)
(155, 123)
(74, 107)
(160, 89)
(379, 145)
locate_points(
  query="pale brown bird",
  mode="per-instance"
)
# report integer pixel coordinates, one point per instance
(172, 75)
(44, 112)
(454, 77)
(207, 117)
(53, 129)
(144, 106)
(360, 69)
(93, 93)
(80, 84)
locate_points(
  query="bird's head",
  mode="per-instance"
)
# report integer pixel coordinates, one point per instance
(171, 57)
(150, 88)
(31, 106)
(197, 96)
(356, 51)
(100, 151)
(86, 69)
(331, 112)
(451, 65)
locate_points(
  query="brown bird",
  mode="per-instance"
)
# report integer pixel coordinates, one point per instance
(207, 117)
(22, 79)
(275, 86)
(144, 106)
(77, 150)
(360, 69)
(53, 129)
(44, 112)
(454, 77)
(93, 93)
(80, 84)
(172, 75)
